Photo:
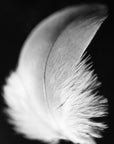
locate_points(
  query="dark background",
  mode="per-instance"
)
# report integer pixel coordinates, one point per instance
(17, 19)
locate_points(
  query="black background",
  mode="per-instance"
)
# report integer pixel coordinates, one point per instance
(17, 19)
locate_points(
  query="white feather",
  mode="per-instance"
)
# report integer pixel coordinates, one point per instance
(51, 94)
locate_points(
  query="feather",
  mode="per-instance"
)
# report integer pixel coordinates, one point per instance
(52, 94)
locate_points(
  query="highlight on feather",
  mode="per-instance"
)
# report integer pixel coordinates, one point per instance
(52, 94)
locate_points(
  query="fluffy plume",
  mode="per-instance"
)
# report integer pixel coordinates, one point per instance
(53, 92)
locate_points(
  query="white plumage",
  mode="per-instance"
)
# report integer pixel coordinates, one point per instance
(51, 94)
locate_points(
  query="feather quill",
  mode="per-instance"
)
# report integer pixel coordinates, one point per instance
(51, 93)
